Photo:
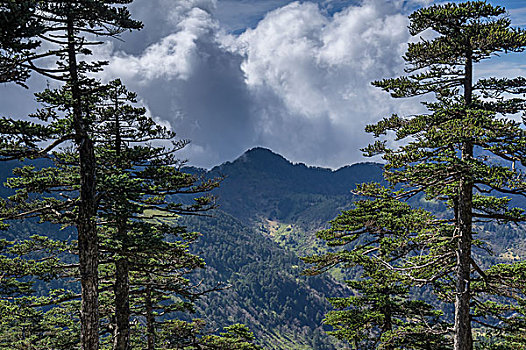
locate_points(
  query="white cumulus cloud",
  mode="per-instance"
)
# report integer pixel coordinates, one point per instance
(298, 82)
(319, 69)
(175, 55)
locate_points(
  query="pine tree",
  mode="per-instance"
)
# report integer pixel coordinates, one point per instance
(464, 151)
(35, 313)
(66, 27)
(17, 27)
(234, 337)
(383, 240)
(192, 336)
(140, 179)
(144, 253)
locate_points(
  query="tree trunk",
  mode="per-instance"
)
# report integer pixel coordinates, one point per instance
(463, 339)
(121, 339)
(87, 231)
(388, 321)
(150, 319)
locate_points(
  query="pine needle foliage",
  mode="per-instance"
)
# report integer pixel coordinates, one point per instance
(144, 252)
(466, 150)
(386, 249)
(61, 32)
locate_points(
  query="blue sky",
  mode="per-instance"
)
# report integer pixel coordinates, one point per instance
(291, 76)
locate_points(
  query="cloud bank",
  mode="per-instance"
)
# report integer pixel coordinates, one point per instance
(296, 81)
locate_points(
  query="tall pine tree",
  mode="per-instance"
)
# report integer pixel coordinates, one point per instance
(67, 28)
(142, 192)
(143, 252)
(464, 151)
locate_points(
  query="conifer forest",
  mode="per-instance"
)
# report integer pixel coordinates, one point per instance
(111, 239)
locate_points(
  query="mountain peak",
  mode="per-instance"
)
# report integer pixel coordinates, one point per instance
(261, 150)
(258, 158)
(261, 154)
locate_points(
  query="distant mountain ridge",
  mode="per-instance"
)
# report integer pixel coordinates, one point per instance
(261, 182)
(301, 177)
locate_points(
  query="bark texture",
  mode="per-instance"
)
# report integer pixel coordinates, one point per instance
(463, 339)
(121, 338)
(87, 231)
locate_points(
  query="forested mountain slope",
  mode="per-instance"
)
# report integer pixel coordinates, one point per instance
(264, 286)
(287, 203)
(269, 211)
(263, 184)
(264, 199)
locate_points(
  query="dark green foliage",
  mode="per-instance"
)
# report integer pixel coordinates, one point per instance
(183, 335)
(18, 28)
(28, 24)
(233, 338)
(464, 151)
(143, 259)
(387, 243)
(36, 311)
(67, 28)
(267, 291)
(148, 256)
(40, 328)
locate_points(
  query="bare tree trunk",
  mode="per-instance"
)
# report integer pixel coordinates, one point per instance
(150, 319)
(463, 339)
(388, 321)
(121, 339)
(87, 231)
